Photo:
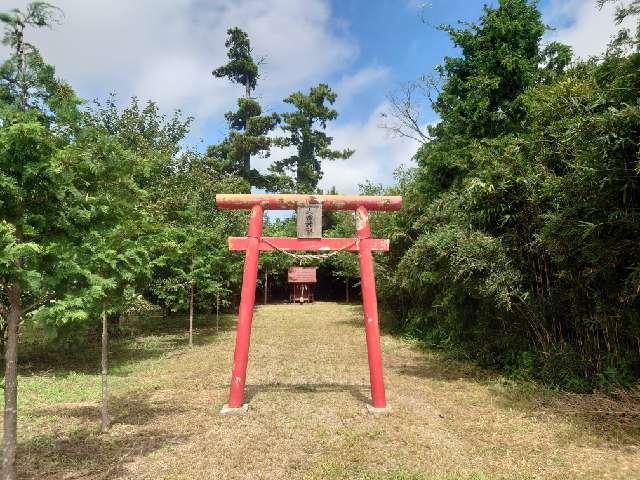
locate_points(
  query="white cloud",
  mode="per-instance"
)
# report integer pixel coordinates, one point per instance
(351, 85)
(376, 155)
(582, 25)
(165, 50)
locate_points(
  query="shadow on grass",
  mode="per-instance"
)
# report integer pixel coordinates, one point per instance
(388, 322)
(144, 339)
(441, 369)
(433, 365)
(85, 453)
(359, 392)
(135, 409)
(594, 418)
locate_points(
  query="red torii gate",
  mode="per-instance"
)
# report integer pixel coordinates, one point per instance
(253, 243)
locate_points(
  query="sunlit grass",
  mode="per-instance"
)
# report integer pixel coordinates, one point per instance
(307, 385)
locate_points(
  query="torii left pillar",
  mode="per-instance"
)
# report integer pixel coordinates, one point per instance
(245, 314)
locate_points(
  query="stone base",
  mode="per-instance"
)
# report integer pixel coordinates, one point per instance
(378, 411)
(234, 412)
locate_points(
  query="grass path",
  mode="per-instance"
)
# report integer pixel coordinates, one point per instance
(307, 389)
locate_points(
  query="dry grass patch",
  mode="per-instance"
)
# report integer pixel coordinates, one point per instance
(307, 386)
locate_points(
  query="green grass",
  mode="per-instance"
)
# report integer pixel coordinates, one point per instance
(53, 373)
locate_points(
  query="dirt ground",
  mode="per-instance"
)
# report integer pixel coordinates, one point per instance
(307, 387)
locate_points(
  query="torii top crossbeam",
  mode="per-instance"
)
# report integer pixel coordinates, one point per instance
(292, 201)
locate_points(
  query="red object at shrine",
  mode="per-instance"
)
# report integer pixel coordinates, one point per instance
(302, 281)
(302, 275)
(253, 243)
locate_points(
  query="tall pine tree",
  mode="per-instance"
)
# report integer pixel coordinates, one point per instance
(305, 127)
(248, 128)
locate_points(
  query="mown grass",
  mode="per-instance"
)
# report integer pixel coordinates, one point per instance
(51, 372)
(307, 385)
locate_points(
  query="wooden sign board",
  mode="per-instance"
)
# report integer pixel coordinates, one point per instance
(310, 221)
(302, 275)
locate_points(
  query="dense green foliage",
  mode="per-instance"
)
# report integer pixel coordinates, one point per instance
(519, 238)
(312, 145)
(191, 248)
(104, 208)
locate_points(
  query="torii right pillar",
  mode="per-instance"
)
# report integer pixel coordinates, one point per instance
(370, 311)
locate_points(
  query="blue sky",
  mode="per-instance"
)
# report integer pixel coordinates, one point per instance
(164, 50)
(393, 35)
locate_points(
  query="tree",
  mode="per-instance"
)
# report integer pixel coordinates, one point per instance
(113, 254)
(112, 165)
(129, 245)
(305, 127)
(192, 267)
(25, 70)
(404, 117)
(241, 68)
(500, 60)
(249, 129)
(36, 184)
(518, 237)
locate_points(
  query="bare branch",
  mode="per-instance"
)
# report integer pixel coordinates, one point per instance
(406, 106)
(261, 60)
(423, 8)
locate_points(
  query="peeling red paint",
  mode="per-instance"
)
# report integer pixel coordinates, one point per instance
(370, 309)
(245, 315)
(291, 201)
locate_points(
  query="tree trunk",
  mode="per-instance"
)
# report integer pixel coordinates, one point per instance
(11, 384)
(346, 289)
(217, 311)
(246, 161)
(191, 318)
(105, 366)
(22, 68)
(266, 283)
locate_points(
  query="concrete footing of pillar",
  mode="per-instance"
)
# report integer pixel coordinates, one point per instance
(378, 411)
(234, 412)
